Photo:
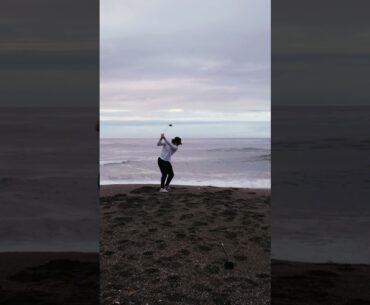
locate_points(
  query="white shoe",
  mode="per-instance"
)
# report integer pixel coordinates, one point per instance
(168, 188)
(163, 190)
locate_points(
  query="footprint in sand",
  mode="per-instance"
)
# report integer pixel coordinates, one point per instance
(180, 235)
(258, 240)
(213, 269)
(174, 265)
(229, 213)
(204, 248)
(151, 271)
(132, 257)
(240, 257)
(229, 219)
(199, 223)
(225, 192)
(245, 282)
(184, 252)
(192, 230)
(123, 219)
(246, 223)
(201, 287)
(173, 278)
(167, 224)
(145, 190)
(210, 218)
(127, 273)
(161, 245)
(230, 235)
(186, 216)
(109, 213)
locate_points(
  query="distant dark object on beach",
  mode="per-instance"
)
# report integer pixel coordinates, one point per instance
(229, 265)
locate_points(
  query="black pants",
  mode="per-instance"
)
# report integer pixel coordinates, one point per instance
(167, 172)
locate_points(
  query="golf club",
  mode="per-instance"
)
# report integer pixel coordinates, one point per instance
(228, 264)
(169, 125)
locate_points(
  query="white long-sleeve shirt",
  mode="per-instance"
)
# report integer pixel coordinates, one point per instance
(168, 149)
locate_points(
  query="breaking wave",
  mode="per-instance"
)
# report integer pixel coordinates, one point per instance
(105, 163)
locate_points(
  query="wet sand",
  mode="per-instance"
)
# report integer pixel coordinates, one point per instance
(49, 278)
(315, 284)
(163, 248)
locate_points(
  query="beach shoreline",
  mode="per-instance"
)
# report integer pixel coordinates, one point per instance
(113, 189)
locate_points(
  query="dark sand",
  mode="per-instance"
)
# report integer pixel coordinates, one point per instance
(49, 278)
(315, 284)
(162, 248)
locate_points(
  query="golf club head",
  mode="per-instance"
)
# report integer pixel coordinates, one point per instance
(229, 265)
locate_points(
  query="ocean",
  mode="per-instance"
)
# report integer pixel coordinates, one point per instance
(321, 184)
(215, 162)
(49, 179)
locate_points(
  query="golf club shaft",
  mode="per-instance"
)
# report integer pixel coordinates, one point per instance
(170, 125)
(223, 248)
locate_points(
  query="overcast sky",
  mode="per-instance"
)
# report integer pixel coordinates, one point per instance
(320, 53)
(176, 61)
(49, 53)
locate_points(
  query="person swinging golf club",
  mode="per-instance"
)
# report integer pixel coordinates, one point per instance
(164, 160)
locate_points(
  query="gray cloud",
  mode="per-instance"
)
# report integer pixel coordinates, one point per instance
(208, 56)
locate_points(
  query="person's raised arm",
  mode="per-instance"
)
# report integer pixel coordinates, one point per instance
(160, 140)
